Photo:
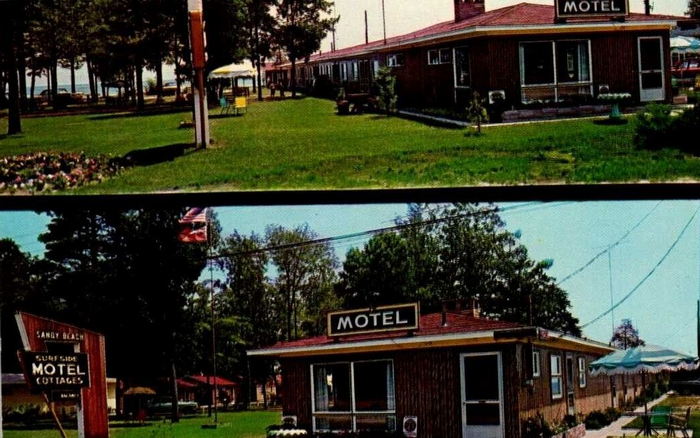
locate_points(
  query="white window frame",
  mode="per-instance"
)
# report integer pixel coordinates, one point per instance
(582, 372)
(556, 84)
(536, 372)
(393, 60)
(555, 359)
(353, 413)
(439, 53)
(454, 69)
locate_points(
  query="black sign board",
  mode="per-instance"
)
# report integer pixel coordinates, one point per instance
(56, 371)
(65, 396)
(591, 8)
(380, 319)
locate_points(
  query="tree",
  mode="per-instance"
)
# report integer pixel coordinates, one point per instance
(386, 85)
(456, 252)
(304, 282)
(125, 274)
(259, 29)
(302, 26)
(9, 49)
(476, 111)
(626, 336)
(693, 8)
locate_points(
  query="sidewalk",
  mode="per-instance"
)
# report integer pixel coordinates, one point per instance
(615, 428)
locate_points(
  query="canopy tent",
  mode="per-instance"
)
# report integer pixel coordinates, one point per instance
(643, 359)
(241, 70)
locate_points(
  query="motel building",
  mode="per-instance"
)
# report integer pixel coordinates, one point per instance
(569, 52)
(448, 374)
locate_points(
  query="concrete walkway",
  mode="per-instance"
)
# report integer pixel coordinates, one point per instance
(615, 429)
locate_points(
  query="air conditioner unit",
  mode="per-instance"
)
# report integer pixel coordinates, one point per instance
(603, 89)
(497, 96)
(410, 426)
(289, 420)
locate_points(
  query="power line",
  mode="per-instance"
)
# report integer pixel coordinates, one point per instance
(649, 274)
(361, 234)
(608, 248)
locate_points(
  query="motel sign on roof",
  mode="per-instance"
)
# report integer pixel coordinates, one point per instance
(591, 8)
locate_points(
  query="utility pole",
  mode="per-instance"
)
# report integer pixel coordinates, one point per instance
(647, 7)
(384, 20)
(612, 309)
(366, 29)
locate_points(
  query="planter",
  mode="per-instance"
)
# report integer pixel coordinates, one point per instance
(287, 433)
(578, 431)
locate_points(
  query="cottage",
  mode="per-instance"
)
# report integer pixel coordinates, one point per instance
(526, 54)
(453, 374)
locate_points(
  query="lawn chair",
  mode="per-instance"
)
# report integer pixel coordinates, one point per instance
(679, 423)
(225, 105)
(241, 103)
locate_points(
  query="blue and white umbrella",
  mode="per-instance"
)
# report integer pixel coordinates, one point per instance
(646, 358)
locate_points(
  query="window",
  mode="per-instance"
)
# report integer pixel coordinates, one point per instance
(344, 71)
(555, 70)
(555, 374)
(441, 56)
(356, 396)
(395, 60)
(582, 372)
(535, 363)
(462, 71)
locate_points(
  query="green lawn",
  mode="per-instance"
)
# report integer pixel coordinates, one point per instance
(246, 424)
(303, 144)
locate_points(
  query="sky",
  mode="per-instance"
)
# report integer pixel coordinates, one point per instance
(663, 307)
(402, 16)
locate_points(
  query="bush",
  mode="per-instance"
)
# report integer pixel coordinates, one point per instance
(596, 420)
(657, 128)
(27, 414)
(536, 427)
(612, 414)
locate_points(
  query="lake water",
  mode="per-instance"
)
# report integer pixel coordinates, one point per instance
(85, 88)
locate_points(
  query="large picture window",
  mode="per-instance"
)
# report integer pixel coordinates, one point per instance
(354, 396)
(555, 70)
(462, 72)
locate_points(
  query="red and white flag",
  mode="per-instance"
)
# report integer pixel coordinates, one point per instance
(193, 226)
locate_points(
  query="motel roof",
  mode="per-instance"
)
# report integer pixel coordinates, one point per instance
(522, 18)
(461, 329)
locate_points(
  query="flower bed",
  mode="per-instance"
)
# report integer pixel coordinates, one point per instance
(578, 431)
(286, 432)
(43, 172)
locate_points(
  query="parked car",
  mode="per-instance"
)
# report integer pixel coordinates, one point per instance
(163, 406)
(63, 97)
(686, 69)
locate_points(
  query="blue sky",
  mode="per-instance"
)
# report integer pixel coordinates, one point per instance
(570, 233)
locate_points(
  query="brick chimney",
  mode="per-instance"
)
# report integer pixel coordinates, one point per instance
(468, 8)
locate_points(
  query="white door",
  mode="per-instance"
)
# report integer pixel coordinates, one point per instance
(482, 395)
(651, 69)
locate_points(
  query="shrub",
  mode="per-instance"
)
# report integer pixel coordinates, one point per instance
(386, 90)
(596, 420)
(612, 414)
(476, 112)
(536, 427)
(656, 128)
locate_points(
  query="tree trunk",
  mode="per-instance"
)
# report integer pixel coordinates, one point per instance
(31, 87)
(259, 68)
(14, 125)
(175, 412)
(91, 81)
(159, 82)
(54, 79)
(21, 62)
(294, 78)
(72, 75)
(139, 86)
(49, 93)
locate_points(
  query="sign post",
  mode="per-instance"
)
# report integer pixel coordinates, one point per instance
(197, 44)
(49, 365)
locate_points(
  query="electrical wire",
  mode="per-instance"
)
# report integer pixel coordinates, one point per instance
(609, 247)
(648, 275)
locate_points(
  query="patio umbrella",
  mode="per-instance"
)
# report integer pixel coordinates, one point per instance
(685, 44)
(643, 359)
(232, 71)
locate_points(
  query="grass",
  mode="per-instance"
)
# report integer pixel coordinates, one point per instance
(303, 144)
(246, 424)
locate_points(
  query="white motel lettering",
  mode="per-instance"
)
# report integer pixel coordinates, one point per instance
(584, 6)
(378, 319)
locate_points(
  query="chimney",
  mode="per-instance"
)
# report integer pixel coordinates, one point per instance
(468, 8)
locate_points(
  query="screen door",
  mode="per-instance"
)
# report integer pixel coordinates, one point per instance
(651, 69)
(482, 395)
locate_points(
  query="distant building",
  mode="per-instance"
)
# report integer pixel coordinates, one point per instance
(525, 52)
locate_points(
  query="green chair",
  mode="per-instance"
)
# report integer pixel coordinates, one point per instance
(225, 105)
(678, 423)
